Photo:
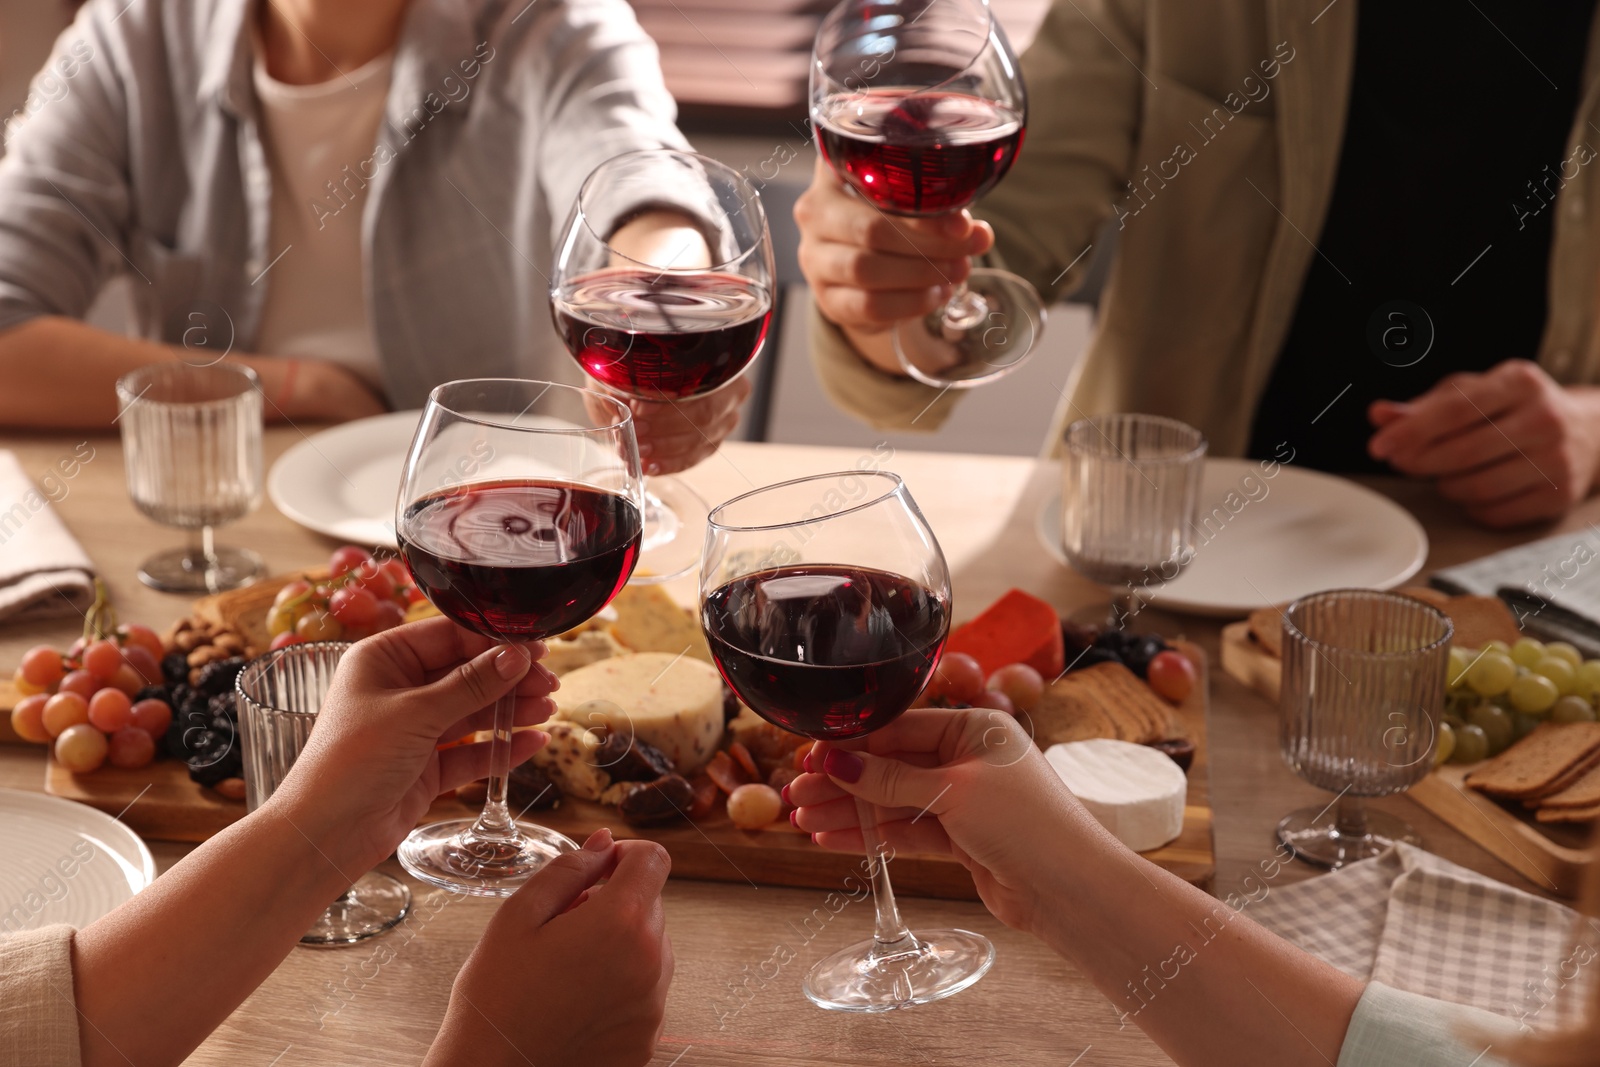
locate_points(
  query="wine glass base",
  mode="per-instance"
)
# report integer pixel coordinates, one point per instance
(1313, 836)
(863, 977)
(990, 339)
(183, 571)
(441, 854)
(674, 523)
(375, 903)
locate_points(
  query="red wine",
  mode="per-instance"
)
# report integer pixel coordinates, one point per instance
(524, 559)
(828, 652)
(658, 336)
(918, 153)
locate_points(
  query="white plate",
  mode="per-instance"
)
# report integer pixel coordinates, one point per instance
(343, 481)
(62, 862)
(1303, 532)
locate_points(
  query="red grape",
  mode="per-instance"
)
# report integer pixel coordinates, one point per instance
(110, 710)
(294, 589)
(399, 573)
(127, 679)
(131, 747)
(353, 606)
(27, 719)
(64, 710)
(285, 639)
(1020, 682)
(102, 659)
(25, 687)
(145, 665)
(81, 748)
(136, 636)
(346, 559)
(1172, 676)
(42, 666)
(152, 716)
(389, 615)
(81, 682)
(318, 626)
(998, 701)
(374, 578)
(75, 650)
(958, 678)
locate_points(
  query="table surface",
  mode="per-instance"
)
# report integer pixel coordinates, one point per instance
(353, 1006)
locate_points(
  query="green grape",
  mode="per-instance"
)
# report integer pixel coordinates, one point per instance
(1559, 671)
(1589, 679)
(1454, 718)
(1496, 724)
(1522, 725)
(1492, 674)
(1496, 646)
(1534, 694)
(1572, 709)
(1527, 651)
(1460, 660)
(1472, 745)
(1562, 650)
(1445, 745)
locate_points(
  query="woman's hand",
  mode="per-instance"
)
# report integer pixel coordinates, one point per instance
(568, 973)
(677, 434)
(372, 765)
(968, 783)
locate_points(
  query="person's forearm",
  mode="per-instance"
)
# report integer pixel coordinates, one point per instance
(213, 927)
(876, 347)
(1205, 982)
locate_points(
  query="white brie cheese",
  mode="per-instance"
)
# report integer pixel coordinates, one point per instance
(1135, 791)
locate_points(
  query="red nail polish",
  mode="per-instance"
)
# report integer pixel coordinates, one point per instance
(784, 793)
(794, 818)
(843, 765)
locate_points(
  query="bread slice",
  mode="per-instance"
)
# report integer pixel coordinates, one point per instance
(1584, 792)
(1106, 700)
(1266, 626)
(1547, 760)
(1554, 815)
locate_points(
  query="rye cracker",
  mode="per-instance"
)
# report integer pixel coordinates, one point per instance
(1549, 759)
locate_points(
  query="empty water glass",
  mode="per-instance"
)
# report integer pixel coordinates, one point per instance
(1361, 699)
(278, 697)
(1130, 495)
(191, 443)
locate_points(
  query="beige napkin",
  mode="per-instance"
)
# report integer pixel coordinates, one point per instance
(44, 572)
(1416, 922)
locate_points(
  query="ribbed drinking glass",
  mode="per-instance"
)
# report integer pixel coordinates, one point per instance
(1361, 699)
(279, 696)
(191, 443)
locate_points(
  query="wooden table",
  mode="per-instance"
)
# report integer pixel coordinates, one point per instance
(341, 1006)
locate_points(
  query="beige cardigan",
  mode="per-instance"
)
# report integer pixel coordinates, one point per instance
(38, 1012)
(1210, 130)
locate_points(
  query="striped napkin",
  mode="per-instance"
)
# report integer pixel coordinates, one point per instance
(1416, 922)
(44, 572)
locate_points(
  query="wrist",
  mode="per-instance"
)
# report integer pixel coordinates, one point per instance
(335, 835)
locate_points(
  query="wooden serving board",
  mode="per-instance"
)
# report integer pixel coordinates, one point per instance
(161, 802)
(1551, 856)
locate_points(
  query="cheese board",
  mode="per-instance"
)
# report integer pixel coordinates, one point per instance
(1551, 856)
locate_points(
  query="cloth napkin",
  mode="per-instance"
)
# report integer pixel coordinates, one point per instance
(44, 572)
(1552, 586)
(1417, 922)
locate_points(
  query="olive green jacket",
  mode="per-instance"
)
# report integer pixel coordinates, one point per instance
(1210, 131)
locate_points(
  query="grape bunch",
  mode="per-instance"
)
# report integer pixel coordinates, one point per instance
(1497, 694)
(360, 597)
(1162, 667)
(958, 682)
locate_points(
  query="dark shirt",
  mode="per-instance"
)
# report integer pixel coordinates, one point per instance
(1435, 254)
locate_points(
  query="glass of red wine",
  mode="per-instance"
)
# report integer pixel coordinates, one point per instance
(519, 516)
(920, 108)
(663, 291)
(826, 603)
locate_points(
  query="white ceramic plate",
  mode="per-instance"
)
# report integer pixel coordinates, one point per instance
(62, 862)
(343, 481)
(1276, 539)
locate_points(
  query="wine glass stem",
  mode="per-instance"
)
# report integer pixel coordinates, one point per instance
(1350, 817)
(889, 931)
(964, 310)
(202, 548)
(495, 820)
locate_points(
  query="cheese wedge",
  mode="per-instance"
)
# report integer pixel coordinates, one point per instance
(1134, 791)
(566, 654)
(569, 760)
(673, 702)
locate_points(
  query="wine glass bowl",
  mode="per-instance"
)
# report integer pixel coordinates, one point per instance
(519, 517)
(667, 321)
(920, 108)
(826, 604)
(1360, 702)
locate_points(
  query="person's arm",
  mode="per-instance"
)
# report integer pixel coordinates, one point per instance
(221, 920)
(1206, 983)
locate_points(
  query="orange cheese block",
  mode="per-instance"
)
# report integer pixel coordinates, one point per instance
(1017, 628)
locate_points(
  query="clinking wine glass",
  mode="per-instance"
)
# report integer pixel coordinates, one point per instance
(519, 516)
(920, 108)
(826, 604)
(667, 320)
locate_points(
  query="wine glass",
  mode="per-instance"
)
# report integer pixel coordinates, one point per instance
(826, 603)
(665, 320)
(191, 442)
(1362, 694)
(519, 516)
(920, 107)
(1130, 494)
(278, 697)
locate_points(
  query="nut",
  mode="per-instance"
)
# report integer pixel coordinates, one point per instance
(229, 642)
(188, 640)
(207, 654)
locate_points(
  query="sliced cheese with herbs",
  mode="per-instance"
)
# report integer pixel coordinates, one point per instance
(1135, 791)
(649, 620)
(673, 702)
(569, 760)
(566, 654)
